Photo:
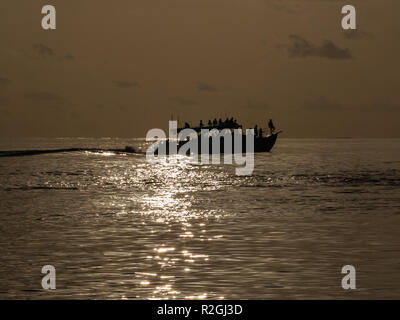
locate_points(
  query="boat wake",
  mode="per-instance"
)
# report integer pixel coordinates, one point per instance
(21, 153)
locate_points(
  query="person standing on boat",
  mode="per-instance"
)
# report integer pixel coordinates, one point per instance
(271, 126)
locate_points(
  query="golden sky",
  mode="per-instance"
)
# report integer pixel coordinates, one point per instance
(119, 68)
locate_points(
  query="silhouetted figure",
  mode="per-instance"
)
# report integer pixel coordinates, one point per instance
(271, 126)
(201, 123)
(215, 122)
(209, 123)
(220, 122)
(260, 132)
(256, 131)
(187, 125)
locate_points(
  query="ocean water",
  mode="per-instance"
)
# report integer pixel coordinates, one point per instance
(117, 227)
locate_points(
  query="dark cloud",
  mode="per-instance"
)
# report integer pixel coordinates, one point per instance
(43, 51)
(4, 82)
(321, 104)
(302, 48)
(205, 87)
(184, 101)
(69, 57)
(357, 34)
(126, 84)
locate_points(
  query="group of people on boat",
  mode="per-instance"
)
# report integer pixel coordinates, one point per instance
(229, 124)
(217, 124)
(258, 132)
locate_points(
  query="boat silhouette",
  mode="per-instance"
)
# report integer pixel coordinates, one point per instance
(262, 143)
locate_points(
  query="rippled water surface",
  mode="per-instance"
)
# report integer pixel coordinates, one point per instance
(117, 227)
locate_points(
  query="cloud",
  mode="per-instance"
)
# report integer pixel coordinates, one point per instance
(69, 57)
(321, 104)
(205, 87)
(126, 84)
(43, 51)
(184, 101)
(302, 48)
(4, 82)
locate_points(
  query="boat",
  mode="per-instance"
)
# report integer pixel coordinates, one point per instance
(262, 142)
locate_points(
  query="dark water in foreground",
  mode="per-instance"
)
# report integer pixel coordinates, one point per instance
(117, 227)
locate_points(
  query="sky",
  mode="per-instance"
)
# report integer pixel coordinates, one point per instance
(120, 68)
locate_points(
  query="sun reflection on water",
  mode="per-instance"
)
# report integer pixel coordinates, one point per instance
(166, 197)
